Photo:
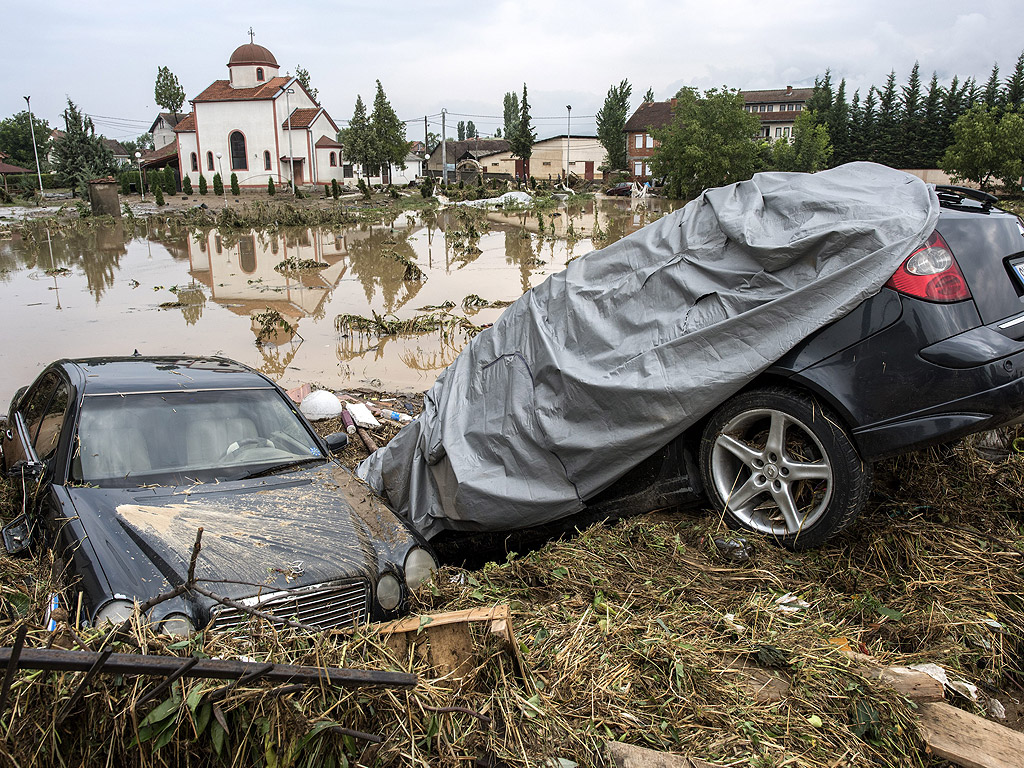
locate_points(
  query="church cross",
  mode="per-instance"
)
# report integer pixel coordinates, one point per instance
(251, 35)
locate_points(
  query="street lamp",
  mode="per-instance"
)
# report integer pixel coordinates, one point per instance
(142, 188)
(220, 168)
(35, 150)
(291, 157)
(568, 139)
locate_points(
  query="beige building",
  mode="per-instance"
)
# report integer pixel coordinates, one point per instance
(581, 156)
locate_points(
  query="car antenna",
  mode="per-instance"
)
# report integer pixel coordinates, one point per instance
(136, 353)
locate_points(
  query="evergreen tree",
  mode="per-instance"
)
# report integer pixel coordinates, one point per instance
(910, 154)
(932, 144)
(358, 139)
(887, 138)
(992, 93)
(186, 185)
(167, 92)
(471, 132)
(856, 146)
(234, 184)
(1013, 96)
(838, 125)
(611, 119)
(271, 189)
(521, 143)
(649, 96)
(820, 101)
(302, 75)
(80, 155)
(511, 115)
(461, 129)
(202, 184)
(389, 142)
(869, 126)
(218, 185)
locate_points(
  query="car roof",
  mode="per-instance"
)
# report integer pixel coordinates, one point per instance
(114, 375)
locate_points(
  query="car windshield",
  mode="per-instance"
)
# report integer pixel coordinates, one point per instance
(171, 438)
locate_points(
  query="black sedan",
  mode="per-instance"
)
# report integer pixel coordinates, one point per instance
(135, 454)
(622, 189)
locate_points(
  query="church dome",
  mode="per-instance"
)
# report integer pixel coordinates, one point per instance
(250, 53)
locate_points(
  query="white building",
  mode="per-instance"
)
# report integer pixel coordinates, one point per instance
(258, 124)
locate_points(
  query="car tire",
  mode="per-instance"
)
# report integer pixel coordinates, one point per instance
(776, 461)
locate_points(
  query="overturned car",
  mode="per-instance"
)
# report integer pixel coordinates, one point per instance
(760, 348)
(132, 455)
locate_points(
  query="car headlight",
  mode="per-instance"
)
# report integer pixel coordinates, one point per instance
(177, 625)
(419, 565)
(114, 611)
(389, 592)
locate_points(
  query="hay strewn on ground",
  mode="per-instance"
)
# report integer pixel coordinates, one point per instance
(627, 631)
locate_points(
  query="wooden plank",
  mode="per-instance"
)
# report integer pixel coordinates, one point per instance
(968, 740)
(912, 683)
(415, 623)
(763, 685)
(623, 755)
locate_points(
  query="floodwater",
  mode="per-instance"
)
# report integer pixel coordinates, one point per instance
(154, 286)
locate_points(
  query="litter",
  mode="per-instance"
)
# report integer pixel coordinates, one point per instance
(320, 405)
(790, 603)
(362, 415)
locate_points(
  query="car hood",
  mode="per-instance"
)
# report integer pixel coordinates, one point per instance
(278, 532)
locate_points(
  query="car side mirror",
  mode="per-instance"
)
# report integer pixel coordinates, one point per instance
(336, 442)
(17, 535)
(30, 471)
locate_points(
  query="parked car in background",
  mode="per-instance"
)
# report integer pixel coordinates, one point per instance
(623, 189)
(936, 355)
(134, 454)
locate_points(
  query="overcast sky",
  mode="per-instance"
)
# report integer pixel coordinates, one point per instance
(464, 56)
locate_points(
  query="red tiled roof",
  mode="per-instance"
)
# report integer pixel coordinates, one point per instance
(777, 94)
(251, 53)
(187, 124)
(650, 114)
(325, 142)
(151, 156)
(8, 168)
(302, 118)
(221, 90)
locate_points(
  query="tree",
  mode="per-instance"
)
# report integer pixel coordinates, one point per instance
(390, 145)
(992, 93)
(16, 139)
(887, 138)
(810, 150)
(986, 146)
(708, 143)
(234, 185)
(511, 115)
(932, 144)
(186, 185)
(358, 139)
(471, 130)
(911, 154)
(649, 96)
(218, 185)
(611, 119)
(271, 189)
(461, 128)
(1013, 96)
(837, 124)
(521, 142)
(302, 75)
(80, 155)
(168, 92)
(141, 143)
(202, 184)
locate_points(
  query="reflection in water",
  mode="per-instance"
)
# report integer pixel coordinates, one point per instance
(212, 283)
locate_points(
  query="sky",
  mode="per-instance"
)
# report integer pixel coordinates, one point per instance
(463, 57)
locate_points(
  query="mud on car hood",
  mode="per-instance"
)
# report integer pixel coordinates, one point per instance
(278, 532)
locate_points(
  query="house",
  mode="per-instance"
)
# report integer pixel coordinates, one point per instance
(551, 158)
(258, 124)
(162, 129)
(777, 109)
(117, 149)
(456, 151)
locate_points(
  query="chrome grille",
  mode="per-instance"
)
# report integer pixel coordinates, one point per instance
(333, 605)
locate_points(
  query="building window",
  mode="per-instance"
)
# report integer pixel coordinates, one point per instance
(785, 132)
(638, 169)
(266, 160)
(236, 141)
(778, 131)
(259, 74)
(639, 140)
(209, 161)
(648, 140)
(334, 159)
(247, 254)
(799, 107)
(195, 162)
(346, 171)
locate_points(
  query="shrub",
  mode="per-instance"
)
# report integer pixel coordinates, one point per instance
(186, 185)
(170, 183)
(158, 191)
(335, 189)
(327, 190)
(218, 184)
(234, 184)
(126, 188)
(364, 188)
(271, 189)
(202, 184)
(427, 187)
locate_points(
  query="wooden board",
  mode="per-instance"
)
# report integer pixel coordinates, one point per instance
(968, 740)
(628, 756)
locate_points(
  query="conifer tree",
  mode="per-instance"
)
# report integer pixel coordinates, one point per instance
(887, 137)
(1013, 96)
(521, 143)
(838, 125)
(389, 142)
(910, 153)
(992, 93)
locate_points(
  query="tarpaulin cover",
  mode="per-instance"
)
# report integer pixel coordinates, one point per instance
(602, 364)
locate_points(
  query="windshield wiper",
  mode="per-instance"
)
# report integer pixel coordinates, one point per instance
(286, 465)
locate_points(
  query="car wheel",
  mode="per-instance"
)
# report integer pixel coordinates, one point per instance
(777, 462)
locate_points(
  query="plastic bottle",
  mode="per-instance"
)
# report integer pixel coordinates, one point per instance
(386, 413)
(349, 422)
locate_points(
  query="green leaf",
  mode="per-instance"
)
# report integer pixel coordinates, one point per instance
(889, 613)
(203, 718)
(815, 721)
(217, 736)
(476, 594)
(560, 572)
(194, 698)
(163, 710)
(165, 737)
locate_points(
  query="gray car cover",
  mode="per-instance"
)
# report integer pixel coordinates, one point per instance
(598, 367)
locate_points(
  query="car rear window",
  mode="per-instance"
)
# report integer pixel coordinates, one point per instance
(188, 436)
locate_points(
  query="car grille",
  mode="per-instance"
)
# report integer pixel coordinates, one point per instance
(325, 606)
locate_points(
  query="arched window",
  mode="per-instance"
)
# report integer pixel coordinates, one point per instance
(259, 74)
(334, 160)
(266, 160)
(239, 162)
(209, 161)
(195, 162)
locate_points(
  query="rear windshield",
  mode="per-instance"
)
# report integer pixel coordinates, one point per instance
(173, 438)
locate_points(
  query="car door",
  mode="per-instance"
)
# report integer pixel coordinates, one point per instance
(24, 420)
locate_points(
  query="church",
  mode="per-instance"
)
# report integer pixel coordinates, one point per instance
(258, 124)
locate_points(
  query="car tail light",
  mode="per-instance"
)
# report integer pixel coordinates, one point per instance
(931, 273)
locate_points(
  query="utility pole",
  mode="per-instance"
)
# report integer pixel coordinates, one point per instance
(426, 135)
(35, 151)
(568, 140)
(444, 149)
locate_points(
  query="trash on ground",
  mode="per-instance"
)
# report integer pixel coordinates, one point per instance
(320, 405)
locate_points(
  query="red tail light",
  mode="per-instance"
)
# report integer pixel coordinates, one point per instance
(931, 273)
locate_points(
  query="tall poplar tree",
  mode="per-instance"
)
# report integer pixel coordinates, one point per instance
(510, 112)
(167, 91)
(521, 143)
(390, 145)
(357, 140)
(611, 119)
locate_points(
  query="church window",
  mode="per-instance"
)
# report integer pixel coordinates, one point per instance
(239, 162)
(346, 171)
(266, 160)
(209, 161)
(259, 74)
(334, 159)
(195, 162)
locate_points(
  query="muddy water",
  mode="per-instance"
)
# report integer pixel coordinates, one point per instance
(89, 290)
